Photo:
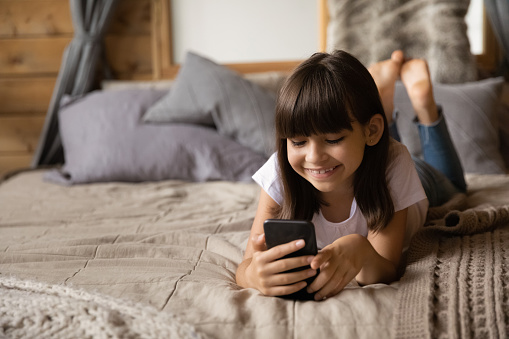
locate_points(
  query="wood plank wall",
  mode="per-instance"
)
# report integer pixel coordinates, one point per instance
(33, 35)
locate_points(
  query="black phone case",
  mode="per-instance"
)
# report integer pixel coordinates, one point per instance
(281, 231)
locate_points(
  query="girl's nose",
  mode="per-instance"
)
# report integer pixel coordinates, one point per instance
(315, 154)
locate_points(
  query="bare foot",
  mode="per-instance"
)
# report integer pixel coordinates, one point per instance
(385, 73)
(415, 76)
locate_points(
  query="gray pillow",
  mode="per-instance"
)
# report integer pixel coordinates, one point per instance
(471, 111)
(207, 93)
(105, 140)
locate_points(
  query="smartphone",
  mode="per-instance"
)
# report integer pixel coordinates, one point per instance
(282, 231)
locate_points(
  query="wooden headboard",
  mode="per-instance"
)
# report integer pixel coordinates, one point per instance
(34, 33)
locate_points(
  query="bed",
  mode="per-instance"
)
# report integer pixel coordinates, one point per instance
(140, 232)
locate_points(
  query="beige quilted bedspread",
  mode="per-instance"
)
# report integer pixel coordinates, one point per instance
(176, 246)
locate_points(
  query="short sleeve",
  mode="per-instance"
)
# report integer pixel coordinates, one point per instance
(402, 178)
(268, 179)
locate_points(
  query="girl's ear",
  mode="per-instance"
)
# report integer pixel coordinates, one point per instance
(374, 130)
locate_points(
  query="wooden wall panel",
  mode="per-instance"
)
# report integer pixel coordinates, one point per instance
(131, 17)
(14, 161)
(129, 55)
(20, 134)
(128, 40)
(52, 17)
(33, 36)
(126, 54)
(25, 95)
(31, 56)
(26, 18)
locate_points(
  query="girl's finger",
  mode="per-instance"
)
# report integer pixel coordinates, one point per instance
(283, 265)
(277, 252)
(284, 290)
(320, 259)
(330, 286)
(342, 281)
(323, 277)
(349, 277)
(290, 278)
(258, 241)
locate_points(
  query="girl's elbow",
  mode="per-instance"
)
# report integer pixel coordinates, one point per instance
(385, 276)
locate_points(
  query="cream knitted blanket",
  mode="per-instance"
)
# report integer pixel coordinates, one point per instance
(456, 281)
(37, 310)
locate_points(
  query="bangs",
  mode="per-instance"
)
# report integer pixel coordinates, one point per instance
(314, 104)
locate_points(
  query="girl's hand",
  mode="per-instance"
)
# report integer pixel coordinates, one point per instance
(339, 263)
(265, 271)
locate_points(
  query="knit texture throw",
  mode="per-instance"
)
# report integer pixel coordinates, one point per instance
(37, 310)
(456, 280)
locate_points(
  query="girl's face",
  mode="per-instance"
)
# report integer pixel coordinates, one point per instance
(328, 161)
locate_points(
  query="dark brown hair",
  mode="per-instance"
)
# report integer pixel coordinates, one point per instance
(324, 95)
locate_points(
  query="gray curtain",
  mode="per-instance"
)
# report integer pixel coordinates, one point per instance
(498, 12)
(77, 71)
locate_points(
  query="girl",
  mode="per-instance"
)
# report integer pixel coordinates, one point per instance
(337, 166)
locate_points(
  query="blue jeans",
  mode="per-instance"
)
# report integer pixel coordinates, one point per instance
(440, 172)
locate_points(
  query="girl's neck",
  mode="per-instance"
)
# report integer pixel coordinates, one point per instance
(339, 205)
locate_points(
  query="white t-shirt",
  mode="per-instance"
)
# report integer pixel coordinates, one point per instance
(404, 186)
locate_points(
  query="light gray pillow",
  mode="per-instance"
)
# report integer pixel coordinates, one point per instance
(433, 30)
(207, 93)
(104, 139)
(471, 111)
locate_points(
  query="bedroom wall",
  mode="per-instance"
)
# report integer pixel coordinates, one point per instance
(229, 31)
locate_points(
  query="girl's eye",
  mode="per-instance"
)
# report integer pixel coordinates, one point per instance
(297, 143)
(335, 141)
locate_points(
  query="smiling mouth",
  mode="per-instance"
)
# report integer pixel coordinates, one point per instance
(323, 171)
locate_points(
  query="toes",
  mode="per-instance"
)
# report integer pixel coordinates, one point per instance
(398, 56)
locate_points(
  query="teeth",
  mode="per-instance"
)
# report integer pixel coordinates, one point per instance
(321, 171)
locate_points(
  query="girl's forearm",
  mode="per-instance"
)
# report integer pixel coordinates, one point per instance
(376, 269)
(240, 275)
